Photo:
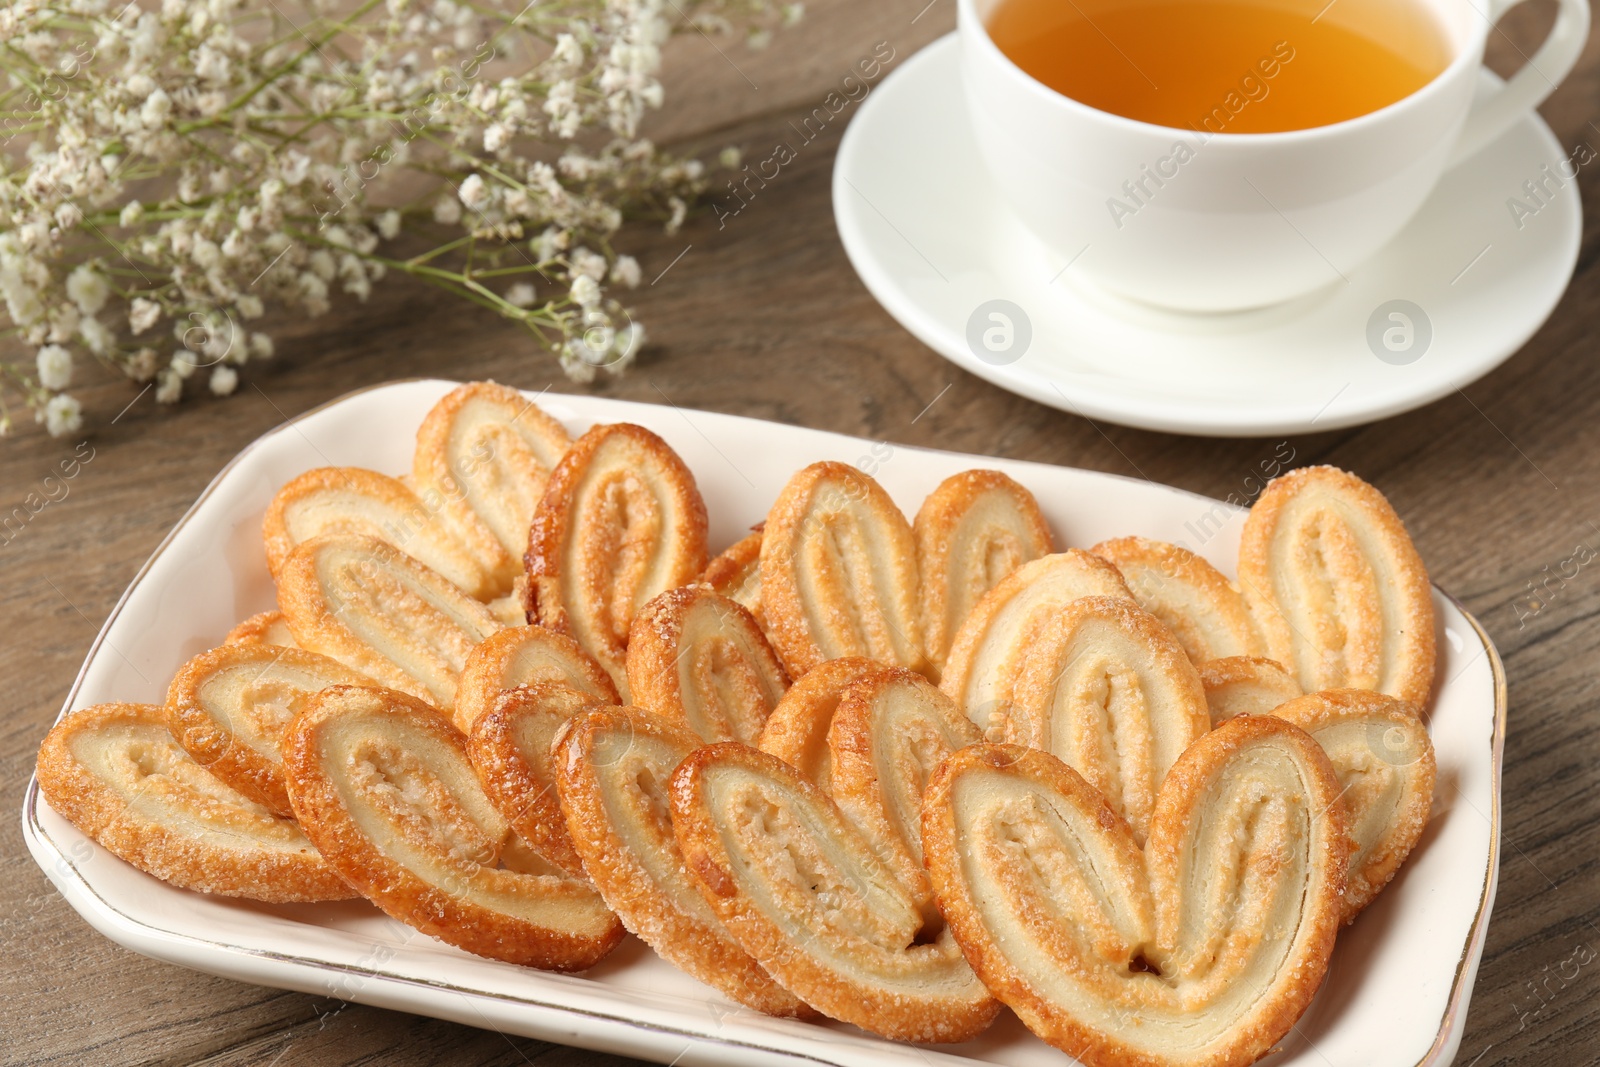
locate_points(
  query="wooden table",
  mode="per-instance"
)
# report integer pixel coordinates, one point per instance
(1499, 483)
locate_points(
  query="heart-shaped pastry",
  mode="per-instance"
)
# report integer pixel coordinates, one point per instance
(797, 730)
(484, 454)
(381, 782)
(525, 655)
(839, 572)
(115, 772)
(1108, 690)
(1337, 586)
(891, 729)
(990, 645)
(621, 522)
(973, 530)
(808, 896)
(374, 608)
(1245, 685)
(1381, 751)
(354, 501)
(699, 660)
(1203, 948)
(262, 628)
(736, 574)
(1193, 599)
(612, 768)
(230, 706)
(509, 746)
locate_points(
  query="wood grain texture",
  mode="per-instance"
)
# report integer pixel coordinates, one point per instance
(764, 317)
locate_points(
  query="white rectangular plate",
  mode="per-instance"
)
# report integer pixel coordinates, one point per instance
(1396, 993)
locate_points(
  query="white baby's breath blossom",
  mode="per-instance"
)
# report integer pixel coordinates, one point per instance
(142, 365)
(169, 386)
(473, 192)
(55, 367)
(447, 210)
(585, 291)
(588, 263)
(267, 176)
(142, 314)
(96, 337)
(625, 271)
(568, 52)
(63, 414)
(88, 289)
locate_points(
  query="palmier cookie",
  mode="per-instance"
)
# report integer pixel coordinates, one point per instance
(374, 608)
(509, 746)
(973, 530)
(892, 728)
(353, 501)
(797, 730)
(381, 782)
(525, 655)
(736, 574)
(621, 522)
(1204, 610)
(1108, 690)
(1203, 948)
(699, 660)
(989, 646)
(612, 768)
(839, 573)
(1337, 586)
(511, 609)
(1245, 685)
(115, 772)
(807, 895)
(230, 706)
(484, 454)
(1381, 751)
(262, 628)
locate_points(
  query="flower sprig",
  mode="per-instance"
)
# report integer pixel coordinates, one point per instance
(168, 176)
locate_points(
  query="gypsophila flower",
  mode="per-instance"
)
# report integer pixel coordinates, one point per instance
(588, 263)
(55, 367)
(625, 271)
(269, 176)
(585, 291)
(62, 415)
(143, 314)
(473, 192)
(141, 366)
(96, 337)
(169, 386)
(87, 289)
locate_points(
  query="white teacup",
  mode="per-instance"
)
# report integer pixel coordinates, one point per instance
(1240, 220)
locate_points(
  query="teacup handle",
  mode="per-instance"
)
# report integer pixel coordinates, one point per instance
(1528, 87)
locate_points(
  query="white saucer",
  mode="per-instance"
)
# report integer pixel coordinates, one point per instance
(932, 240)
